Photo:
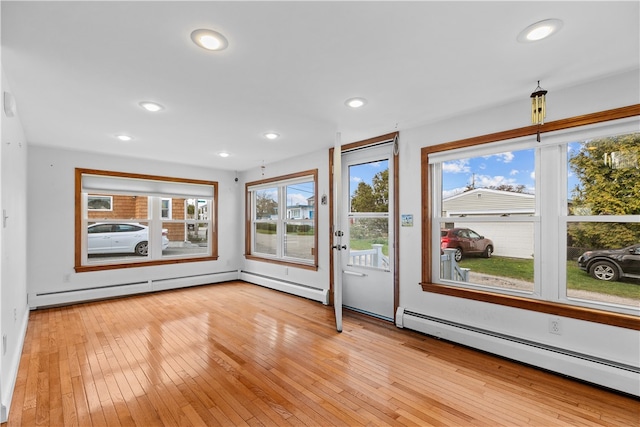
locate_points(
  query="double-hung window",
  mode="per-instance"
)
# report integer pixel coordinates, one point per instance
(125, 220)
(538, 225)
(282, 220)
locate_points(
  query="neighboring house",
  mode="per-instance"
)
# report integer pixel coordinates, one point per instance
(510, 239)
(130, 208)
(301, 211)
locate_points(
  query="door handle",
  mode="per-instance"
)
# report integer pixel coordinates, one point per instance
(354, 273)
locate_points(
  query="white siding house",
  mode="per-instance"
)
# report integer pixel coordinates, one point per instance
(510, 239)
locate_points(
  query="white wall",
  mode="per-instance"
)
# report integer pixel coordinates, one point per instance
(607, 342)
(317, 280)
(50, 240)
(14, 312)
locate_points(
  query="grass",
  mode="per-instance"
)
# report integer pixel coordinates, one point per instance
(514, 268)
(365, 244)
(577, 279)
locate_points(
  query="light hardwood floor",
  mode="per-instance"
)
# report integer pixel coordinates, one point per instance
(237, 354)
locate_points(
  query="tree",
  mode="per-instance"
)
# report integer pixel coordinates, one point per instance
(608, 172)
(372, 198)
(266, 207)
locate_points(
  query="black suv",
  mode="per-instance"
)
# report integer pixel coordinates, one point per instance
(612, 264)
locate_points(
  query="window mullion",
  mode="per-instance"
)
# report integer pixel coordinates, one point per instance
(282, 214)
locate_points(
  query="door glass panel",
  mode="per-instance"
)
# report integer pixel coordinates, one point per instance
(368, 216)
(369, 187)
(369, 242)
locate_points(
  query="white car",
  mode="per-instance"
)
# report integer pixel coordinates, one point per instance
(113, 238)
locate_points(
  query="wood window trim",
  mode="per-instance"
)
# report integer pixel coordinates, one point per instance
(249, 215)
(559, 309)
(396, 209)
(79, 268)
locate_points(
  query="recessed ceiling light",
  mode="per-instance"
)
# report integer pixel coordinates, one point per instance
(151, 106)
(209, 39)
(223, 154)
(355, 102)
(123, 137)
(271, 135)
(539, 30)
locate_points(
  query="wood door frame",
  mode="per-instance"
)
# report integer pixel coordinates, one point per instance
(395, 209)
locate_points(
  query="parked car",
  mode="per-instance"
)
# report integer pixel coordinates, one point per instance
(113, 238)
(612, 264)
(465, 241)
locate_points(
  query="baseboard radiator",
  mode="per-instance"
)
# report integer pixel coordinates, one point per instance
(309, 292)
(48, 299)
(617, 376)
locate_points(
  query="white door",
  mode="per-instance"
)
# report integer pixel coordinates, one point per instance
(367, 222)
(337, 232)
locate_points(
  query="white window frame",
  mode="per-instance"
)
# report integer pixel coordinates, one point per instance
(551, 173)
(603, 123)
(155, 189)
(280, 183)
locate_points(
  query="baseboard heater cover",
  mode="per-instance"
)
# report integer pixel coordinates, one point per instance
(321, 295)
(193, 280)
(48, 299)
(606, 373)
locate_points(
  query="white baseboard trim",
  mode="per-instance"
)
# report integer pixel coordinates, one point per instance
(9, 382)
(321, 295)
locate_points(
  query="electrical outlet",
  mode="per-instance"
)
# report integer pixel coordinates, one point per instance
(555, 326)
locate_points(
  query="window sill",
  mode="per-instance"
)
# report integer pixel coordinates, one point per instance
(557, 309)
(86, 268)
(281, 262)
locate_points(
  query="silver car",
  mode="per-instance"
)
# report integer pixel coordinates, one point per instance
(114, 238)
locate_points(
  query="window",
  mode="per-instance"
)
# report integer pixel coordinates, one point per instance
(150, 220)
(498, 210)
(165, 208)
(281, 220)
(99, 203)
(487, 206)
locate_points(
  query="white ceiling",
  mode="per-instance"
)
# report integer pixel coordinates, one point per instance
(79, 69)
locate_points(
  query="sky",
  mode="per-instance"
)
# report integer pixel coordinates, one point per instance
(364, 173)
(510, 168)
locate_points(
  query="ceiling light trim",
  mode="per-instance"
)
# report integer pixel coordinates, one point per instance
(357, 102)
(209, 40)
(540, 30)
(124, 137)
(151, 106)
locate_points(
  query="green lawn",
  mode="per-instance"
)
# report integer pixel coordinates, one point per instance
(576, 279)
(365, 244)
